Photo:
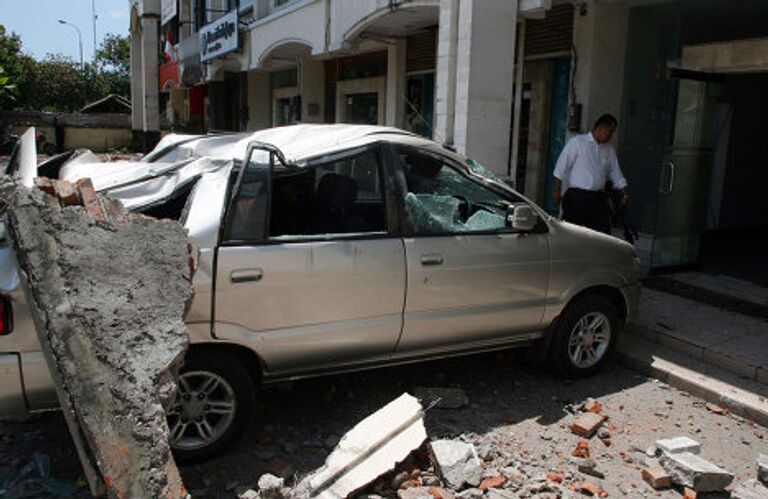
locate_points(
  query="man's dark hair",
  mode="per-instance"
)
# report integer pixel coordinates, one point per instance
(607, 120)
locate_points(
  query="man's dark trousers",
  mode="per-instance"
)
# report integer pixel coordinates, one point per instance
(587, 208)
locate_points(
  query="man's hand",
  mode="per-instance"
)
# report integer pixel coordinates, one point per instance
(556, 187)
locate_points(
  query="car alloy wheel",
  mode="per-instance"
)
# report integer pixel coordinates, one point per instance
(589, 340)
(204, 410)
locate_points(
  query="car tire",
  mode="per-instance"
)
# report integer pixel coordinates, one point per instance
(215, 399)
(584, 336)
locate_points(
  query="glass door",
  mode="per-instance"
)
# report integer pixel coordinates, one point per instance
(686, 172)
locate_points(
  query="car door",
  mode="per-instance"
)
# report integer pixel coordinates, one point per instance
(471, 278)
(308, 274)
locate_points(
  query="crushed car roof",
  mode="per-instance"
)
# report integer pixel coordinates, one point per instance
(297, 143)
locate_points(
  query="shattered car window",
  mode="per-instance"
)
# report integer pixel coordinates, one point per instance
(481, 170)
(441, 200)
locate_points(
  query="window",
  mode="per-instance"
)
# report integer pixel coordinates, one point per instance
(340, 197)
(247, 213)
(442, 200)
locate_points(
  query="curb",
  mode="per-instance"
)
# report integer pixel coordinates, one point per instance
(745, 397)
(739, 367)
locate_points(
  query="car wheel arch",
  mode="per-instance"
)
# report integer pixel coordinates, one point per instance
(253, 363)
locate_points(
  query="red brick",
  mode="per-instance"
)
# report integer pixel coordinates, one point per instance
(592, 405)
(585, 425)
(689, 494)
(492, 483)
(581, 450)
(46, 185)
(90, 200)
(657, 477)
(66, 193)
(555, 477)
(591, 489)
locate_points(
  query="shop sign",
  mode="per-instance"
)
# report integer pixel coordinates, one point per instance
(168, 10)
(219, 37)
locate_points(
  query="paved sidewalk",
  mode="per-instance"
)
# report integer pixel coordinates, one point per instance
(735, 342)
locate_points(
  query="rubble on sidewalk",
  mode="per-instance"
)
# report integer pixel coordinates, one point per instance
(112, 333)
(677, 445)
(692, 471)
(370, 449)
(586, 424)
(458, 463)
(657, 477)
(751, 489)
(762, 468)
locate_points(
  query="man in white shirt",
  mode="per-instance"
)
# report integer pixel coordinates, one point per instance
(586, 164)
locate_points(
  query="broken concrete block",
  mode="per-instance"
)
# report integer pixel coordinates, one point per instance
(762, 468)
(458, 463)
(271, 487)
(692, 471)
(446, 398)
(500, 494)
(65, 192)
(657, 477)
(112, 332)
(370, 449)
(677, 445)
(751, 489)
(585, 425)
(425, 493)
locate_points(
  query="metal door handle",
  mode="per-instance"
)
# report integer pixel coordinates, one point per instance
(245, 275)
(667, 190)
(432, 259)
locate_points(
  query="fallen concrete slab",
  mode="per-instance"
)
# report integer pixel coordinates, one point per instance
(695, 472)
(678, 444)
(370, 449)
(458, 463)
(107, 297)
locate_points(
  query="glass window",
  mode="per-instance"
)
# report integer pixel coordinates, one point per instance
(442, 200)
(249, 207)
(340, 197)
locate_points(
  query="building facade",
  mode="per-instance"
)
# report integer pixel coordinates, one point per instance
(505, 82)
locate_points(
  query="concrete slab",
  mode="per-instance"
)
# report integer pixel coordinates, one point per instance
(677, 445)
(695, 472)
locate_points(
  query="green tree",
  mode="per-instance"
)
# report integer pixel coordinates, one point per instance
(57, 83)
(113, 59)
(12, 63)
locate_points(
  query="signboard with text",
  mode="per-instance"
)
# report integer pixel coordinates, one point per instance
(219, 37)
(168, 10)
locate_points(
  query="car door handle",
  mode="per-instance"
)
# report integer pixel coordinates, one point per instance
(432, 259)
(245, 275)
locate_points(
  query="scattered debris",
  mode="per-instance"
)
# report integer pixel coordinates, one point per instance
(692, 471)
(585, 425)
(657, 477)
(591, 489)
(592, 405)
(425, 493)
(493, 482)
(582, 449)
(90, 275)
(458, 463)
(589, 467)
(751, 489)
(689, 493)
(762, 468)
(677, 445)
(272, 487)
(716, 409)
(442, 398)
(369, 450)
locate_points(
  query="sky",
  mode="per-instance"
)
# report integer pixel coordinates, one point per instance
(36, 21)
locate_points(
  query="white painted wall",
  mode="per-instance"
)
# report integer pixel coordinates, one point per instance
(303, 23)
(259, 106)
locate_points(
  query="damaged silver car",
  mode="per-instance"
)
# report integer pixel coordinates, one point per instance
(329, 248)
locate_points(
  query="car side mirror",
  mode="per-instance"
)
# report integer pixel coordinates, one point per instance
(521, 217)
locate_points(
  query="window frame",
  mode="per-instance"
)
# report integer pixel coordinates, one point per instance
(407, 228)
(391, 222)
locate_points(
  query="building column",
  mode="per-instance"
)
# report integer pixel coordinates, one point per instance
(395, 110)
(149, 97)
(137, 80)
(445, 77)
(485, 61)
(259, 101)
(312, 91)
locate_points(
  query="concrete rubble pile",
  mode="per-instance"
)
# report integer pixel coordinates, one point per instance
(108, 291)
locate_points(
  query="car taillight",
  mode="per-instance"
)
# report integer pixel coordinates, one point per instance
(6, 322)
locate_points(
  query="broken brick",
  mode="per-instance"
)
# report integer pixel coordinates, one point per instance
(592, 405)
(555, 477)
(689, 494)
(46, 185)
(494, 482)
(582, 449)
(66, 193)
(91, 202)
(714, 408)
(591, 489)
(657, 477)
(585, 425)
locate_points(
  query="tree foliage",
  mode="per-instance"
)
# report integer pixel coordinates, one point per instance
(57, 82)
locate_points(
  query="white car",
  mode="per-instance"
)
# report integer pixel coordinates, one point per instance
(329, 248)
